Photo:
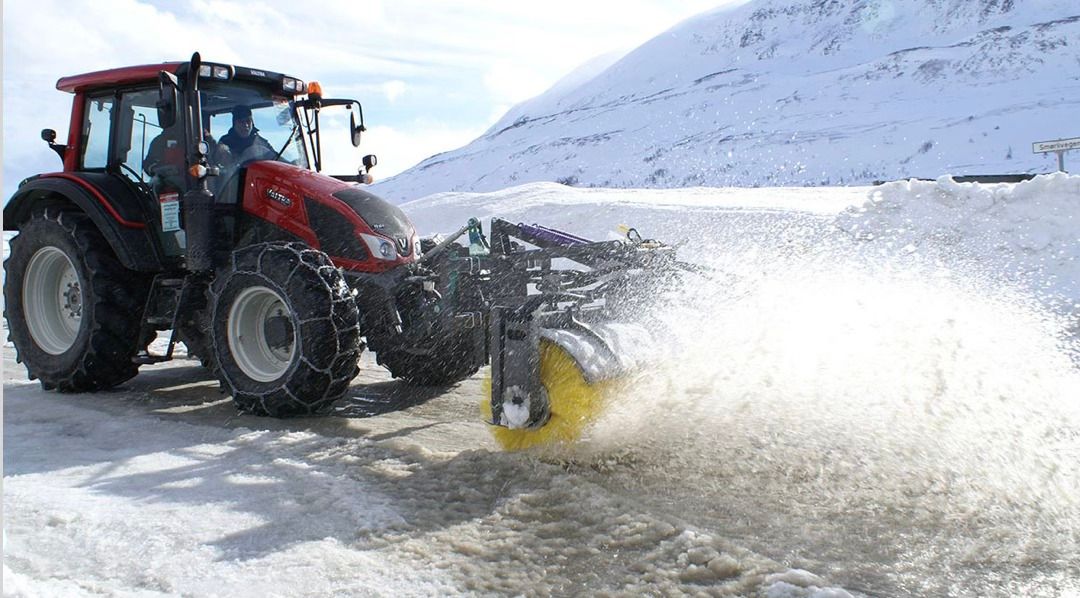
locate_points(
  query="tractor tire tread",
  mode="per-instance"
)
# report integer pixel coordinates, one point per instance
(114, 294)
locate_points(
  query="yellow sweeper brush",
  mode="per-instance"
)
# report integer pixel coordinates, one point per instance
(574, 403)
(578, 369)
(559, 316)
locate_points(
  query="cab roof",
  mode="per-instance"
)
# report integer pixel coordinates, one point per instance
(115, 77)
(147, 73)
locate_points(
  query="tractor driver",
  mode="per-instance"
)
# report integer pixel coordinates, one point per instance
(165, 158)
(243, 135)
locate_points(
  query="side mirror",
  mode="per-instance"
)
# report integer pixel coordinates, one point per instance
(355, 130)
(168, 98)
(49, 136)
(369, 162)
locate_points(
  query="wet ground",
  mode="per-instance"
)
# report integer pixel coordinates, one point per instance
(897, 432)
(685, 509)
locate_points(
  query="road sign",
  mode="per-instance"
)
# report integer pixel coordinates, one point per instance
(1060, 145)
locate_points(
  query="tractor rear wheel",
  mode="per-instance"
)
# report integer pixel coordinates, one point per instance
(73, 310)
(284, 330)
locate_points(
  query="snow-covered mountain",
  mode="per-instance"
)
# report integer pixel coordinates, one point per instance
(794, 92)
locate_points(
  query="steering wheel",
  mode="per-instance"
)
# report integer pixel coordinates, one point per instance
(255, 152)
(230, 171)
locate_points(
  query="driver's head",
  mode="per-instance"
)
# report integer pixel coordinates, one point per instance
(241, 121)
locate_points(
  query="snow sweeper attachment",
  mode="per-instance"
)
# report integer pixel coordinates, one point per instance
(568, 324)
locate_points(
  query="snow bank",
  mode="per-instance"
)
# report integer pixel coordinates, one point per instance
(706, 224)
(1026, 233)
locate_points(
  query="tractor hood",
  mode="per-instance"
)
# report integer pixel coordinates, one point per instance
(383, 217)
(359, 230)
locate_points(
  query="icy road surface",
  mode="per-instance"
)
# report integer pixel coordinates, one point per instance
(880, 398)
(162, 488)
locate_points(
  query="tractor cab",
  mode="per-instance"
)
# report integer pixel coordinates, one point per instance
(162, 129)
(223, 118)
(120, 112)
(163, 140)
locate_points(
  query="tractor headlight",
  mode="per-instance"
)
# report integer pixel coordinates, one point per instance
(293, 86)
(217, 71)
(379, 247)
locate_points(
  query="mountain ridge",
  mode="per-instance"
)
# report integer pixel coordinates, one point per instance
(779, 92)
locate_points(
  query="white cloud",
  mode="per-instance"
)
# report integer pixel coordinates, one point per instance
(482, 54)
(512, 83)
(399, 148)
(393, 89)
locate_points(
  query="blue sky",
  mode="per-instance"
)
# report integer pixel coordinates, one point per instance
(432, 76)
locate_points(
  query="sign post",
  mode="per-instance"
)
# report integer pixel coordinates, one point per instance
(1059, 147)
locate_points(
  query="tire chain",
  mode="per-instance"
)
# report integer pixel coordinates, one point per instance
(290, 397)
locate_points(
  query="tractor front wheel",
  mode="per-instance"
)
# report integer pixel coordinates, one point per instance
(284, 329)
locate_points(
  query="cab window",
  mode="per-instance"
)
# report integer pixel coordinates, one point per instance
(272, 116)
(138, 127)
(95, 131)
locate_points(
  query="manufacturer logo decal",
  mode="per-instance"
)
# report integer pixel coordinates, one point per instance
(279, 197)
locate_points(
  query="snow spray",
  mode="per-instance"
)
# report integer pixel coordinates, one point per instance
(842, 392)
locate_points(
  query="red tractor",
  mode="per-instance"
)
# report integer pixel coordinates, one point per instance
(277, 276)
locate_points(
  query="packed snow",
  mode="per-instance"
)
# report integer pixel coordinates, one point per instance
(874, 391)
(793, 92)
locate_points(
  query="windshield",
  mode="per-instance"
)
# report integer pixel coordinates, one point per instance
(271, 115)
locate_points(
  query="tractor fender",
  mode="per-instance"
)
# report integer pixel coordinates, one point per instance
(114, 208)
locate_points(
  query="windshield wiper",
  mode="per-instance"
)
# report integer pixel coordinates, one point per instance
(288, 142)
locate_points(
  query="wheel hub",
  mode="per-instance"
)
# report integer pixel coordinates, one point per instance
(73, 300)
(261, 336)
(279, 332)
(52, 300)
